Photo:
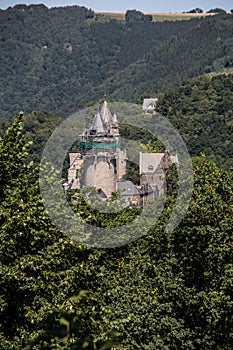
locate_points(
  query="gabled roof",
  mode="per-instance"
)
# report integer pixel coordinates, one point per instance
(149, 162)
(127, 188)
(149, 104)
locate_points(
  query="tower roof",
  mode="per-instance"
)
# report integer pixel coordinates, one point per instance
(114, 119)
(150, 162)
(104, 129)
(149, 104)
(98, 124)
(106, 114)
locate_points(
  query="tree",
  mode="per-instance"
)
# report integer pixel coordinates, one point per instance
(163, 291)
(205, 234)
(35, 257)
(134, 16)
(196, 10)
(203, 105)
(216, 10)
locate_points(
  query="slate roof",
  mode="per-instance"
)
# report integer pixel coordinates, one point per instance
(103, 120)
(149, 104)
(149, 162)
(99, 124)
(128, 188)
(106, 114)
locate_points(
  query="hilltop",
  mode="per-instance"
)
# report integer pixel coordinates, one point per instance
(60, 59)
(156, 17)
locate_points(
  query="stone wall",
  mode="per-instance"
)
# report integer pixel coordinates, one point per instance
(100, 172)
(76, 162)
(156, 178)
(121, 164)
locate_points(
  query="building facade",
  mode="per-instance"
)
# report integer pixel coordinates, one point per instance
(153, 169)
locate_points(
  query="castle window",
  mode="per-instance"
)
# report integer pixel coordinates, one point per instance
(150, 167)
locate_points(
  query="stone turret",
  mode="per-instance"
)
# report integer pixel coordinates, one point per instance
(103, 162)
(98, 125)
(109, 120)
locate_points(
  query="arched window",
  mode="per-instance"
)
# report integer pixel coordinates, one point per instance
(150, 167)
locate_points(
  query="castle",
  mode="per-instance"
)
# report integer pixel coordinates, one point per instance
(101, 163)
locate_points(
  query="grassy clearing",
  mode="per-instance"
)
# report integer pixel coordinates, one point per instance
(119, 16)
(157, 17)
(178, 16)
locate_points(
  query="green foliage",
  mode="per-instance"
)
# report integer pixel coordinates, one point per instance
(196, 10)
(202, 110)
(41, 271)
(206, 235)
(216, 10)
(64, 58)
(93, 212)
(132, 16)
(182, 281)
(164, 291)
(132, 172)
(13, 151)
(168, 292)
(196, 48)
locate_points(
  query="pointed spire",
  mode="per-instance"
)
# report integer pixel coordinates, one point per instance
(106, 114)
(98, 124)
(115, 118)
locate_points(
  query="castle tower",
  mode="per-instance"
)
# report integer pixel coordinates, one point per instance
(100, 172)
(103, 162)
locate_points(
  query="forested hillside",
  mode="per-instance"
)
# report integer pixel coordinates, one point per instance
(59, 59)
(202, 110)
(206, 45)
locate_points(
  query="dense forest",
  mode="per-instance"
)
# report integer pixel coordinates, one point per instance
(202, 110)
(59, 59)
(164, 291)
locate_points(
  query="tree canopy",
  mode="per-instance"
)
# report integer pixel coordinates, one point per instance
(169, 291)
(201, 109)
